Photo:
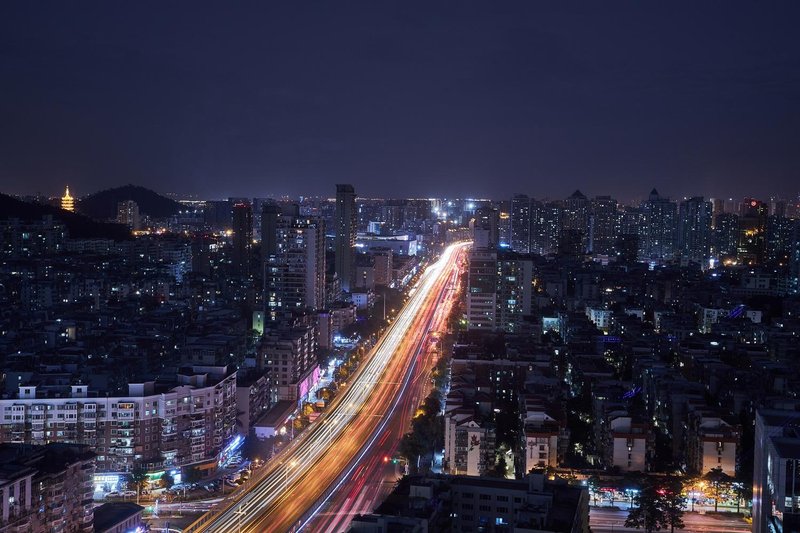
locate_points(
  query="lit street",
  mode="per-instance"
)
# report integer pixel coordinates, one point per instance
(371, 477)
(356, 425)
(609, 521)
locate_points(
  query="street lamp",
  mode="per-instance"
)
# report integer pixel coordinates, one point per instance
(695, 485)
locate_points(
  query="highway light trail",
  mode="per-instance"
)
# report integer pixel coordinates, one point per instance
(279, 483)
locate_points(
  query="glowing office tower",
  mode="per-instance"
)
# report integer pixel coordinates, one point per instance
(345, 220)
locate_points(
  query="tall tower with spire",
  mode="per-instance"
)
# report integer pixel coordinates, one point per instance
(67, 201)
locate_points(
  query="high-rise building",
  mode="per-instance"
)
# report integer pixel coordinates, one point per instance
(694, 229)
(726, 234)
(521, 224)
(778, 238)
(289, 355)
(776, 472)
(128, 214)
(258, 209)
(505, 227)
(752, 231)
(67, 201)
(296, 271)
(575, 218)
(482, 293)
(603, 221)
(515, 274)
(545, 227)
(345, 241)
(486, 228)
(242, 238)
(134, 430)
(382, 258)
(657, 228)
(270, 213)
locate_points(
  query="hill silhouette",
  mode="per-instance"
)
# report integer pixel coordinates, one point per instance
(103, 205)
(78, 226)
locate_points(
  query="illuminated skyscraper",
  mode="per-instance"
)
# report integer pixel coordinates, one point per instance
(694, 229)
(345, 242)
(753, 231)
(242, 238)
(482, 293)
(67, 201)
(779, 238)
(726, 234)
(658, 227)
(521, 223)
(515, 273)
(485, 228)
(545, 227)
(295, 264)
(603, 221)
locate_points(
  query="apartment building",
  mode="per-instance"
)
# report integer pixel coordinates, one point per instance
(469, 442)
(711, 442)
(545, 437)
(289, 355)
(158, 424)
(46, 489)
(626, 444)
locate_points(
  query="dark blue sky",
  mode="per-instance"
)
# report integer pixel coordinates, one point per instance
(402, 99)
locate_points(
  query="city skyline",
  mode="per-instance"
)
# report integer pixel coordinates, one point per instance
(639, 197)
(467, 266)
(471, 101)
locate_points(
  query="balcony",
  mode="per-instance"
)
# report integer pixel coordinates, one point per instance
(121, 451)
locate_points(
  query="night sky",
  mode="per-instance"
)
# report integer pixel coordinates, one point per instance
(404, 99)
